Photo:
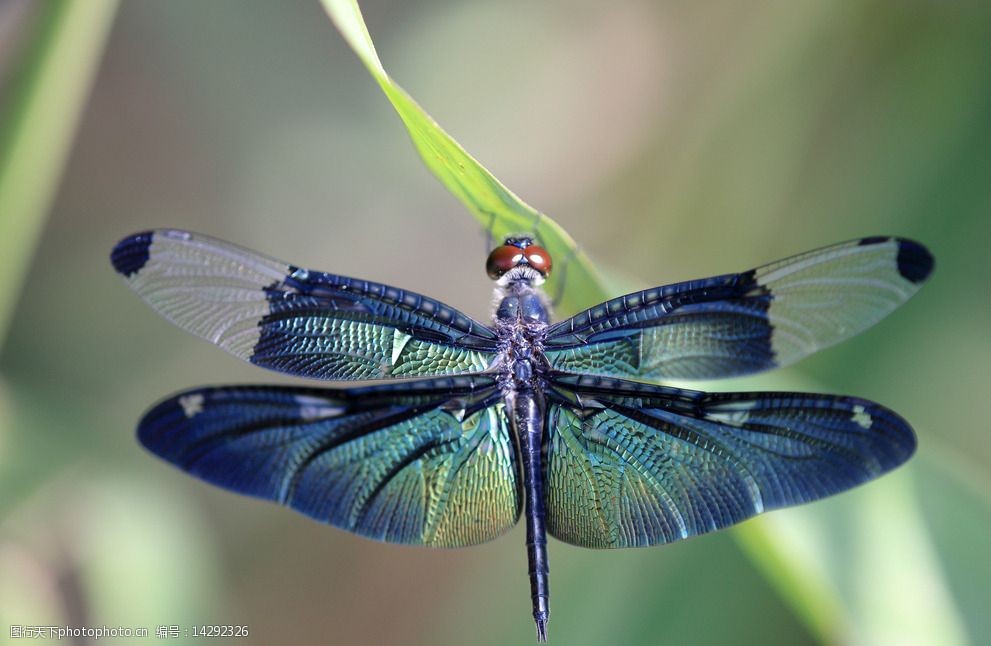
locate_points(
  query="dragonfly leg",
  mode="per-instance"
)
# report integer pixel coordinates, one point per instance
(563, 272)
(489, 236)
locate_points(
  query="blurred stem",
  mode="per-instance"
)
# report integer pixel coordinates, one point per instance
(44, 103)
(810, 597)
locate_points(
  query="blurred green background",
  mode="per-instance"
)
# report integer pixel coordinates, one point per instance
(673, 140)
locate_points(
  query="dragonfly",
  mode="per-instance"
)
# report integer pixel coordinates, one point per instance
(467, 427)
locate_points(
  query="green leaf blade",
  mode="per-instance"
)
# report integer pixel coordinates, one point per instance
(575, 283)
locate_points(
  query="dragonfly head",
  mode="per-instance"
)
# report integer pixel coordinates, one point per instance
(519, 259)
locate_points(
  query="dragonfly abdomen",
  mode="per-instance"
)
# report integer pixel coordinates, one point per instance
(528, 422)
(521, 319)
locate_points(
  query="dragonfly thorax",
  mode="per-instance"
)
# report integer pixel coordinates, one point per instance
(521, 305)
(521, 319)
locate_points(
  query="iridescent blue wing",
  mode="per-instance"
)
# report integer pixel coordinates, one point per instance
(300, 322)
(425, 462)
(631, 464)
(743, 323)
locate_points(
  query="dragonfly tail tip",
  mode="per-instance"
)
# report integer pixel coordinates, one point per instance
(541, 628)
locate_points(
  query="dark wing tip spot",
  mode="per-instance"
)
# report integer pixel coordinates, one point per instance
(915, 263)
(131, 253)
(897, 436)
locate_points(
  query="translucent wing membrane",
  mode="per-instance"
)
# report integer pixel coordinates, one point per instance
(296, 321)
(632, 464)
(743, 323)
(424, 462)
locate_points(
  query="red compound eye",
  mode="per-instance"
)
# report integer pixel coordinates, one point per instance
(502, 259)
(538, 258)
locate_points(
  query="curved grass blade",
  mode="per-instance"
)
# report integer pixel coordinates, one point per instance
(495, 207)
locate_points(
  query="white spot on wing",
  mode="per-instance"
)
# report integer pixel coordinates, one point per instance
(399, 341)
(733, 418)
(861, 417)
(191, 404)
(314, 408)
(732, 413)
